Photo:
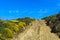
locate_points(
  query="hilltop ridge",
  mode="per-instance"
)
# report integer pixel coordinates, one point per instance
(31, 29)
(37, 31)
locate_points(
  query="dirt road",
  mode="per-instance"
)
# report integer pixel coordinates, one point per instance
(37, 31)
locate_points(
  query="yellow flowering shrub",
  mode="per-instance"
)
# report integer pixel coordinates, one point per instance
(2, 38)
(8, 33)
(16, 29)
(14, 20)
(21, 24)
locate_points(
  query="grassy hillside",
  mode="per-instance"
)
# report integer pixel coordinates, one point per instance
(37, 29)
(9, 28)
(54, 23)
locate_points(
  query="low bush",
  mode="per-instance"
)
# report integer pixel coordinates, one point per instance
(8, 33)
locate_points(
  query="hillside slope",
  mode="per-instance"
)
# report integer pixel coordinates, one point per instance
(37, 31)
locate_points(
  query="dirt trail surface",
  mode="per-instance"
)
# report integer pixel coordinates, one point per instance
(38, 31)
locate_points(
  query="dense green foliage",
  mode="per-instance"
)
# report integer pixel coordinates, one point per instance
(8, 33)
(27, 20)
(54, 23)
(9, 28)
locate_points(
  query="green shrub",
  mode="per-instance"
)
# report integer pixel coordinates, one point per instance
(2, 38)
(8, 33)
(27, 20)
(12, 26)
(14, 21)
(21, 24)
(9, 27)
(15, 28)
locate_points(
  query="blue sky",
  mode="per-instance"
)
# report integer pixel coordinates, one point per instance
(13, 9)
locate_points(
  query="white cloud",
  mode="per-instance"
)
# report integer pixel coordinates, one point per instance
(10, 11)
(13, 11)
(43, 11)
(17, 11)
